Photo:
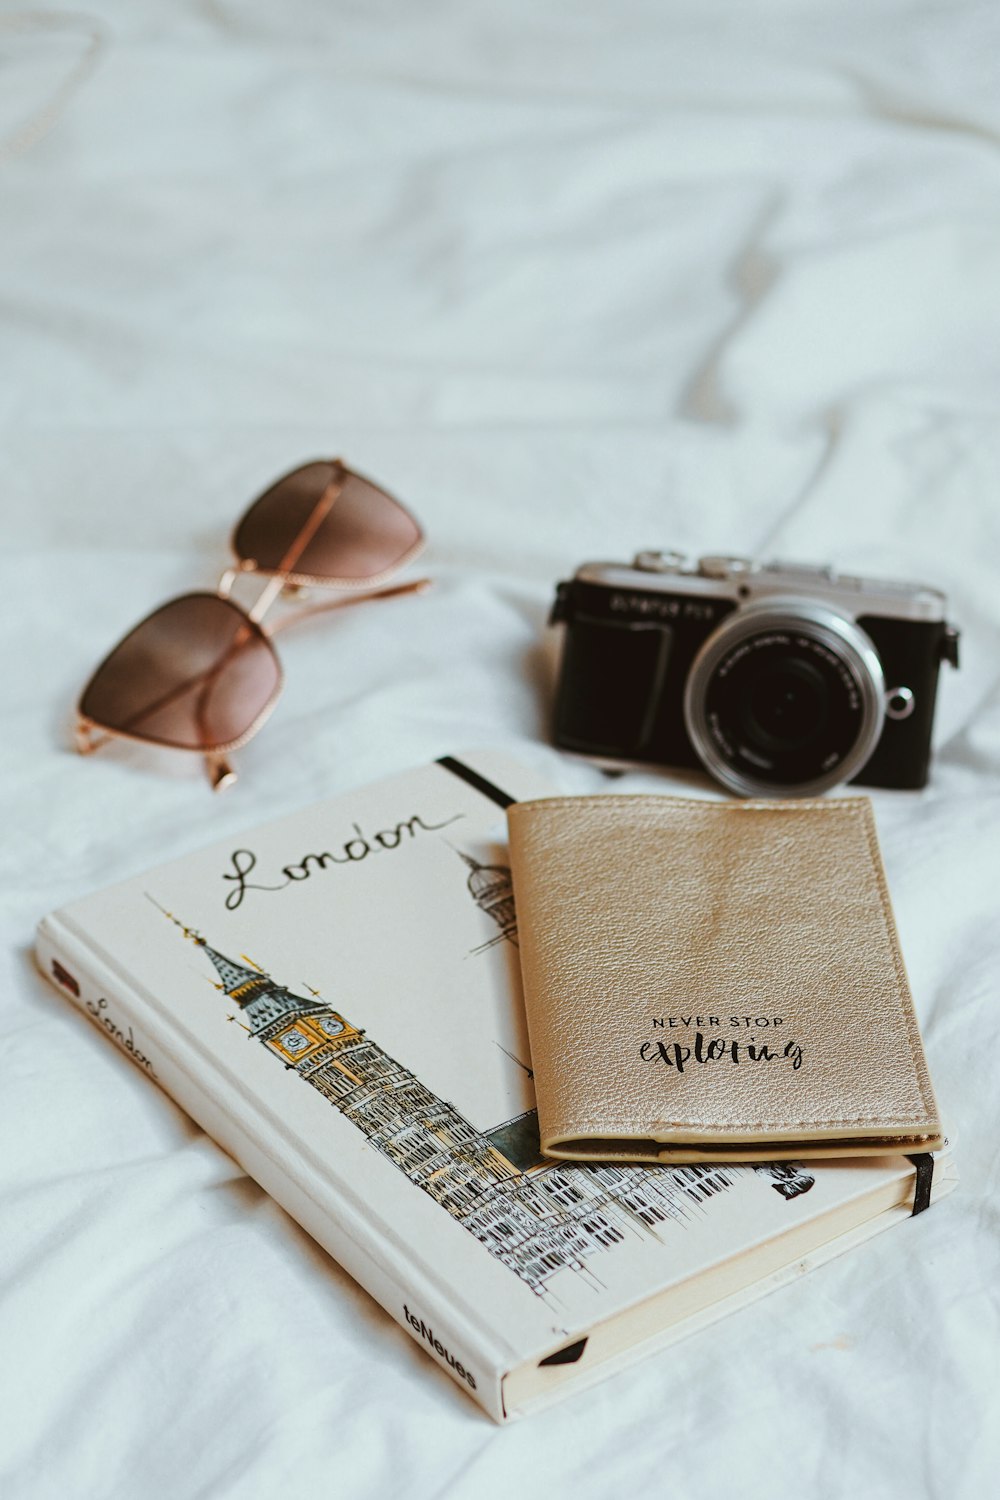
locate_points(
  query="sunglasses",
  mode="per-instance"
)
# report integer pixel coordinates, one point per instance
(201, 673)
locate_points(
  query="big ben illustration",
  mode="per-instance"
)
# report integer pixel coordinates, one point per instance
(536, 1221)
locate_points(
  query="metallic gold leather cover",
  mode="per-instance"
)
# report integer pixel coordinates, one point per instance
(715, 981)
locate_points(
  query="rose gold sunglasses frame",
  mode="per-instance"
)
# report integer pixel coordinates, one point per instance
(284, 579)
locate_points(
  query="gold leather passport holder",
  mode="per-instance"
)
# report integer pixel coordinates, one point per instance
(715, 981)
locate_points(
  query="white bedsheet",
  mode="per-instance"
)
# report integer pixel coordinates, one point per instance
(573, 279)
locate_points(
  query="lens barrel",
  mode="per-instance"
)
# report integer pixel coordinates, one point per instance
(785, 699)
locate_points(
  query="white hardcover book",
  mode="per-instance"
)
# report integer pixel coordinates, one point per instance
(335, 998)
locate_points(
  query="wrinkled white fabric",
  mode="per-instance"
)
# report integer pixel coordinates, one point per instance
(572, 279)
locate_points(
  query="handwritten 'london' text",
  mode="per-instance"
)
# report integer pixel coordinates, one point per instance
(351, 852)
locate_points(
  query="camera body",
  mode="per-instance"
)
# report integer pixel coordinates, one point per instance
(780, 679)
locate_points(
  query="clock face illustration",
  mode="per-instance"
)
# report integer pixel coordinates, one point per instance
(294, 1041)
(331, 1026)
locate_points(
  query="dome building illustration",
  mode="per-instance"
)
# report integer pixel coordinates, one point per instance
(492, 889)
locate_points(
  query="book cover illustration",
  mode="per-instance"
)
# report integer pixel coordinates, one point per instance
(536, 1218)
(348, 979)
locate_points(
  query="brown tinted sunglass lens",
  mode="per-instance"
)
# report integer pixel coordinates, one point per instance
(360, 531)
(196, 674)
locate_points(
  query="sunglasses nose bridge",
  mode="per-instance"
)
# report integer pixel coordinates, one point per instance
(224, 587)
(274, 587)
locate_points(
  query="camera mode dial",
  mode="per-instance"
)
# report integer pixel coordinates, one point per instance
(652, 561)
(721, 568)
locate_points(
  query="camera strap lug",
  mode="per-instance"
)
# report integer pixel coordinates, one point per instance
(560, 605)
(948, 648)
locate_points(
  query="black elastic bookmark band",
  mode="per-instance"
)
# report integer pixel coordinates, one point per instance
(466, 773)
(567, 1356)
(924, 1163)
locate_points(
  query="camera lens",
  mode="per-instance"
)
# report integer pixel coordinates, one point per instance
(785, 699)
(787, 707)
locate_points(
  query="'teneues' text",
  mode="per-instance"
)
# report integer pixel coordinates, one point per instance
(428, 1333)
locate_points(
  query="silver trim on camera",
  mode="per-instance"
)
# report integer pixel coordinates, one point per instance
(841, 636)
(741, 578)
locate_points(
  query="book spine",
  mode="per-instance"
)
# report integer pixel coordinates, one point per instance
(406, 1292)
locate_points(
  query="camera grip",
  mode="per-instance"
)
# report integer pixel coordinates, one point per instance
(610, 685)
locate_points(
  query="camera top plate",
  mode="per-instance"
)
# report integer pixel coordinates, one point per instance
(742, 579)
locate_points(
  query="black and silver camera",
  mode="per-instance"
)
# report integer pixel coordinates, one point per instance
(779, 679)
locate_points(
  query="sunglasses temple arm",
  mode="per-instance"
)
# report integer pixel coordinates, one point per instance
(220, 772)
(418, 586)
